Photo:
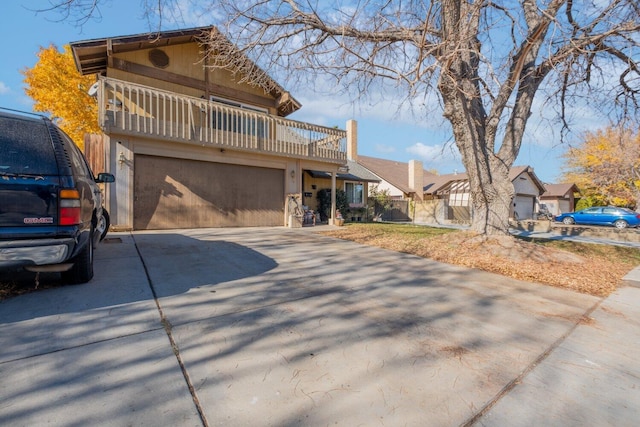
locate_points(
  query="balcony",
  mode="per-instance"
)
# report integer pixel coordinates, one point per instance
(130, 109)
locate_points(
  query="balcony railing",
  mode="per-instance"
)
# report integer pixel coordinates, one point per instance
(132, 109)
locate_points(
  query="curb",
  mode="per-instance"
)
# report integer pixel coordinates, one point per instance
(632, 278)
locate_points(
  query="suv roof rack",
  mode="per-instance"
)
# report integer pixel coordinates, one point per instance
(39, 115)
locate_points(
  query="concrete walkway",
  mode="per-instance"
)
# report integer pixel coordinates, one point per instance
(284, 327)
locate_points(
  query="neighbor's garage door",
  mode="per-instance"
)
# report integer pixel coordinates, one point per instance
(524, 207)
(177, 193)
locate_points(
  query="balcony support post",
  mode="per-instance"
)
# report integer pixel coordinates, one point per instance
(332, 220)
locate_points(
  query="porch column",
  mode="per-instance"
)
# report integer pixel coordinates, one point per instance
(333, 199)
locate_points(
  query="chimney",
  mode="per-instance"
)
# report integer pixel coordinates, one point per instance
(416, 178)
(352, 140)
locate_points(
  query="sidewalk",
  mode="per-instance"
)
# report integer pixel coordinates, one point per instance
(592, 376)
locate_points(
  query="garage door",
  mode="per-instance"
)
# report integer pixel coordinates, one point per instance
(523, 208)
(177, 193)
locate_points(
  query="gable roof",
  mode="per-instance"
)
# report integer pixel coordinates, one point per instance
(92, 57)
(559, 190)
(361, 172)
(516, 171)
(355, 173)
(446, 183)
(395, 173)
(459, 182)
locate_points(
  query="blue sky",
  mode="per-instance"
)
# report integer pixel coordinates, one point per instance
(383, 130)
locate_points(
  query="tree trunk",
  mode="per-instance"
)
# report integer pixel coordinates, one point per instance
(491, 189)
(491, 203)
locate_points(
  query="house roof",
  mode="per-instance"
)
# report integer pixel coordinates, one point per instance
(559, 190)
(447, 183)
(516, 171)
(92, 57)
(459, 182)
(361, 172)
(355, 173)
(395, 173)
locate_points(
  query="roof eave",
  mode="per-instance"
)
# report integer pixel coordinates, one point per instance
(92, 56)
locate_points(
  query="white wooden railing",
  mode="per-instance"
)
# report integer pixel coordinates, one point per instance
(134, 109)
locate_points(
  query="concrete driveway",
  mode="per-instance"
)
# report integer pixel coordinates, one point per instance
(284, 327)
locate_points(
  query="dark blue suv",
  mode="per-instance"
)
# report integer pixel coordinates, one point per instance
(51, 214)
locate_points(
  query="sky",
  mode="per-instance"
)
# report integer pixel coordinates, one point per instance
(384, 129)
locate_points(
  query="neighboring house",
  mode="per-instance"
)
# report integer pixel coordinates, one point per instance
(396, 177)
(528, 189)
(445, 198)
(448, 199)
(402, 181)
(559, 198)
(197, 146)
(453, 189)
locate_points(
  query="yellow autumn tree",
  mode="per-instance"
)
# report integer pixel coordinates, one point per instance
(606, 167)
(59, 90)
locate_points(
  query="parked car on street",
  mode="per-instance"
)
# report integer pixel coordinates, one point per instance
(602, 215)
(51, 213)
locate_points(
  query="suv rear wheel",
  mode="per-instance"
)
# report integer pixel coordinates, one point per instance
(82, 270)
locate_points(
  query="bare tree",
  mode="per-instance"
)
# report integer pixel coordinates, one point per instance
(486, 60)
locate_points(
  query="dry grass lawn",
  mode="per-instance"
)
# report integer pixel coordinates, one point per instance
(587, 268)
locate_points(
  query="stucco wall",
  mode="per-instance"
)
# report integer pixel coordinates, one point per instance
(525, 185)
(429, 212)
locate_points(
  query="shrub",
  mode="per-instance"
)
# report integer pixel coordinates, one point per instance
(324, 202)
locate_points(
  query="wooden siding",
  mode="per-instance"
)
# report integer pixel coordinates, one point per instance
(94, 152)
(186, 74)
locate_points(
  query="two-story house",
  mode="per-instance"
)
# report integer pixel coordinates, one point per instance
(193, 145)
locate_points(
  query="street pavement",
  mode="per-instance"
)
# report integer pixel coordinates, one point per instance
(285, 327)
(550, 235)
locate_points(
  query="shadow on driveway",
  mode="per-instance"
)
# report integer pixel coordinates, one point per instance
(119, 300)
(276, 327)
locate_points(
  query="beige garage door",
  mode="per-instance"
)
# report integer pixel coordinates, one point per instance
(523, 207)
(177, 193)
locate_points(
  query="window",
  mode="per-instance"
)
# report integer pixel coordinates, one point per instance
(355, 193)
(78, 162)
(459, 199)
(26, 148)
(238, 121)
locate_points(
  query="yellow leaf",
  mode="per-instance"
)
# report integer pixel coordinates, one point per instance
(59, 90)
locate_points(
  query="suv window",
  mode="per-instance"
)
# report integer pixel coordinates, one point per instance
(26, 149)
(78, 163)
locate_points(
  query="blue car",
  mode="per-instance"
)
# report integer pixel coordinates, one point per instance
(607, 215)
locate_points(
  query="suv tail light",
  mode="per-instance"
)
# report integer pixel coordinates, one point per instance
(69, 207)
